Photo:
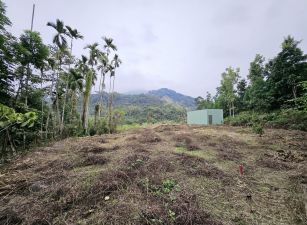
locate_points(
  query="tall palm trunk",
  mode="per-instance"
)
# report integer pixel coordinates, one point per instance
(21, 84)
(86, 98)
(50, 109)
(96, 116)
(102, 85)
(27, 85)
(109, 105)
(73, 105)
(65, 96)
(63, 110)
(57, 101)
(42, 104)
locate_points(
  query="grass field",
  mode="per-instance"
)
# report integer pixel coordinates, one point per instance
(161, 174)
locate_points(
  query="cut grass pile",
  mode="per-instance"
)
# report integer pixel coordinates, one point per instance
(167, 174)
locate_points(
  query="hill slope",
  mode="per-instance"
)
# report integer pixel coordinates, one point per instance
(161, 105)
(171, 174)
(174, 96)
(152, 98)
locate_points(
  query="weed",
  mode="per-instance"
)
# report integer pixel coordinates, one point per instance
(172, 215)
(258, 129)
(168, 185)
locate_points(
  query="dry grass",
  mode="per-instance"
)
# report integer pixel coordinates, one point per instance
(166, 174)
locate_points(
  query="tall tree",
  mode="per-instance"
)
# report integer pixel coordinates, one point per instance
(30, 52)
(6, 58)
(86, 98)
(115, 63)
(60, 41)
(256, 95)
(87, 73)
(75, 85)
(103, 67)
(73, 34)
(285, 72)
(241, 91)
(227, 92)
(206, 103)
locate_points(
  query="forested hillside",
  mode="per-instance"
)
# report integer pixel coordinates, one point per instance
(154, 106)
(174, 96)
(150, 98)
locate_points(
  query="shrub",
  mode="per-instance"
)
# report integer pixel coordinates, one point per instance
(287, 119)
(258, 129)
(242, 119)
(92, 131)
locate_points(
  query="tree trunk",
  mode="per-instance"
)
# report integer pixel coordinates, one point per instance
(109, 103)
(84, 114)
(57, 96)
(101, 94)
(50, 109)
(63, 110)
(42, 109)
(20, 87)
(26, 84)
(96, 117)
(233, 111)
(65, 97)
(86, 99)
(10, 142)
(73, 106)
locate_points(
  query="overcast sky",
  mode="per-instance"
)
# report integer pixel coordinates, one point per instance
(184, 45)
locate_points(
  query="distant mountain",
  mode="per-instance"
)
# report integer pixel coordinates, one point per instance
(160, 105)
(135, 92)
(168, 94)
(151, 98)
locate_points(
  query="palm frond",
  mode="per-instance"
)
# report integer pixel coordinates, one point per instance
(51, 24)
(109, 44)
(84, 59)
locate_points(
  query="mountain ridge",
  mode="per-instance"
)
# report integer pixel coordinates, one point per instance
(157, 97)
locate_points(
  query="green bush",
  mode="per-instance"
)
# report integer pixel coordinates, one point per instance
(73, 130)
(287, 119)
(258, 129)
(100, 128)
(242, 119)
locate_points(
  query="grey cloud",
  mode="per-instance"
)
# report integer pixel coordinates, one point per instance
(179, 44)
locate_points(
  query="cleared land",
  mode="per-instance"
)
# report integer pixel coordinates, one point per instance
(166, 174)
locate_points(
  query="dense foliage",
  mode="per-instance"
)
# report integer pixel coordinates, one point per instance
(40, 86)
(148, 107)
(274, 94)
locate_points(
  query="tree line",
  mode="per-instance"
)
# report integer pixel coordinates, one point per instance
(273, 85)
(41, 85)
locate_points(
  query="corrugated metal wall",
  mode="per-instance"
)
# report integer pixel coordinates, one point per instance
(201, 117)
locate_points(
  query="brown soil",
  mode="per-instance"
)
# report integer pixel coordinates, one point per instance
(165, 174)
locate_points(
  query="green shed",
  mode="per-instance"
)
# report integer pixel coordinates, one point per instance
(205, 117)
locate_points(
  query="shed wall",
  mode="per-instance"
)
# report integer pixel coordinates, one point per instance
(217, 115)
(197, 117)
(200, 117)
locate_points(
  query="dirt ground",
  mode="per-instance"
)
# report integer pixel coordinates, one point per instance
(163, 174)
